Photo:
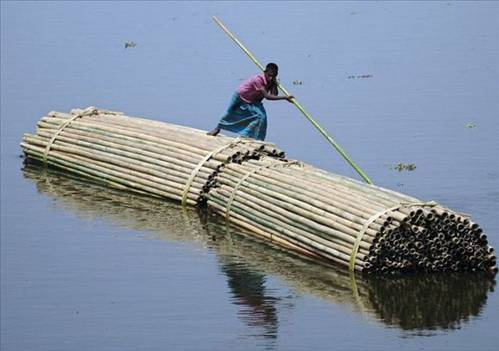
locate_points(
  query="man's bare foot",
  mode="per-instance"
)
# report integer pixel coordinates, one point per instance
(214, 132)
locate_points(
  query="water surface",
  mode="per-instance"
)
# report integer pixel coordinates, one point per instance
(84, 267)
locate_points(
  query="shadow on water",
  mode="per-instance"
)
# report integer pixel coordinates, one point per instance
(416, 303)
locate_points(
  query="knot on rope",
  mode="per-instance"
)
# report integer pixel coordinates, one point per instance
(89, 111)
(200, 165)
(92, 110)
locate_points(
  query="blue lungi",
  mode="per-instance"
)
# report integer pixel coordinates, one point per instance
(246, 119)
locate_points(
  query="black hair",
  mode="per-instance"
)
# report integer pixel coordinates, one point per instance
(272, 67)
(272, 86)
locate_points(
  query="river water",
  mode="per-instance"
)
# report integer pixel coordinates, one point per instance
(88, 268)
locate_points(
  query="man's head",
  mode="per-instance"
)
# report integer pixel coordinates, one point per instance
(271, 71)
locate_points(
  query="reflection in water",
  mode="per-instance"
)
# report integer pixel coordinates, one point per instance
(416, 303)
(248, 288)
(423, 302)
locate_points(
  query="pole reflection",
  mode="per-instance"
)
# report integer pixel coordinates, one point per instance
(415, 303)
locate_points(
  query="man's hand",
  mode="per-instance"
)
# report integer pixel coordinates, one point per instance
(290, 98)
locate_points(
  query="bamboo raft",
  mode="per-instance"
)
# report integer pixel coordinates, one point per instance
(410, 302)
(289, 203)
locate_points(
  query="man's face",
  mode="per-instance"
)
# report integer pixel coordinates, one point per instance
(270, 75)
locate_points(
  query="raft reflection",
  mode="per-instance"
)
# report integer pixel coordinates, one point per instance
(418, 302)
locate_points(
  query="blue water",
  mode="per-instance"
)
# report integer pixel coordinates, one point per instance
(84, 267)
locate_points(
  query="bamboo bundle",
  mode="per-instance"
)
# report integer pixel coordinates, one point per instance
(409, 302)
(137, 154)
(364, 227)
(296, 206)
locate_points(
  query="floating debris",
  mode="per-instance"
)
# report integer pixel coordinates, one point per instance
(363, 76)
(470, 125)
(130, 44)
(297, 82)
(405, 166)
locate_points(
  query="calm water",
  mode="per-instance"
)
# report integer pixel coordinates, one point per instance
(88, 268)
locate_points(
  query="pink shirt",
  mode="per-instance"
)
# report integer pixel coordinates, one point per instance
(250, 90)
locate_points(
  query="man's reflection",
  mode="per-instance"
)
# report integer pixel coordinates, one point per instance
(248, 289)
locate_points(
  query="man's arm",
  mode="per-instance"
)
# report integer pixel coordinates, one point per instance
(268, 96)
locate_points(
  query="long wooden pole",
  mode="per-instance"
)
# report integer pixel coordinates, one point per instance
(298, 105)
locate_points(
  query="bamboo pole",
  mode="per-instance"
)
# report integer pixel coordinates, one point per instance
(299, 106)
(125, 163)
(303, 206)
(135, 158)
(274, 220)
(292, 222)
(129, 180)
(297, 213)
(283, 233)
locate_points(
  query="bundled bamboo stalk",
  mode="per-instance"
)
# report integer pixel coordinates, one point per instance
(364, 227)
(423, 301)
(293, 205)
(135, 154)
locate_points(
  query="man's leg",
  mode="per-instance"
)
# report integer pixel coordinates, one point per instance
(214, 132)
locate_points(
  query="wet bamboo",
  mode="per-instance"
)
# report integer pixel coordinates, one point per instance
(267, 234)
(300, 241)
(279, 194)
(271, 219)
(257, 202)
(125, 173)
(254, 206)
(307, 204)
(349, 204)
(37, 156)
(125, 163)
(303, 211)
(103, 170)
(90, 145)
(84, 142)
(62, 161)
(254, 231)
